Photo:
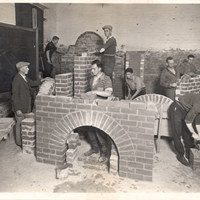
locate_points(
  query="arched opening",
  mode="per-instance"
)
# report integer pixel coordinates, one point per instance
(108, 146)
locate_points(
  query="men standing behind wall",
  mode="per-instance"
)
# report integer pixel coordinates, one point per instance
(135, 85)
(169, 78)
(49, 50)
(187, 66)
(100, 84)
(184, 116)
(108, 51)
(21, 96)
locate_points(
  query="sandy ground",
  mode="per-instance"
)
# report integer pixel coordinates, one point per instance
(21, 173)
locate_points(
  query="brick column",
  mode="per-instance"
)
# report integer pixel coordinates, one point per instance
(28, 136)
(64, 85)
(82, 68)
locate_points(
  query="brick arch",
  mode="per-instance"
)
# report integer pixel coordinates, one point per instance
(76, 119)
(88, 41)
(157, 99)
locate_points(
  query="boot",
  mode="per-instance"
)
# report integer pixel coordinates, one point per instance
(183, 160)
(91, 151)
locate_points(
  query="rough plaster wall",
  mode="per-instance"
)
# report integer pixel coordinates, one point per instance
(139, 27)
(7, 13)
(50, 22)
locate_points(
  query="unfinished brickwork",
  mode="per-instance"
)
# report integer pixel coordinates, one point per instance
(64, 84)
(191, 85)
(82, 74)
(28, 134)
(130, 126)
(86, 42)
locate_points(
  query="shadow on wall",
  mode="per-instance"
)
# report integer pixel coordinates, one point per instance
(155, 63)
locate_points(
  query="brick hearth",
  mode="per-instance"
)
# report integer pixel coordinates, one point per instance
(130, 126)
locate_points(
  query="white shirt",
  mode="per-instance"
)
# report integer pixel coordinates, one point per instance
(23, 76)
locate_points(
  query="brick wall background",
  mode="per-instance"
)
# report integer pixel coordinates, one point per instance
(130, 125)
(154, 62)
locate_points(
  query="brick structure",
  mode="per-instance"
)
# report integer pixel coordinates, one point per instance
(82, 74)
(28, 134)
(64, 84)
(119, 76)
(191, 85)
(86, 42)
(130, 126)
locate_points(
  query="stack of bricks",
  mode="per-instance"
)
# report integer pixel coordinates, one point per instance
(195, 159)
(5, 109)
(118, 76)
(28, 134)
(130, 125)
(64, 84)
(82, 74)
(72, 152)
(191, 85)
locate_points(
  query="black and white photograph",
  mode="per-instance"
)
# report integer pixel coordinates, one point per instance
(99, 99)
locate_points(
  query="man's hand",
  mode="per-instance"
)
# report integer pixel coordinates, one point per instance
(195, 136)
(19, 113)
(173, 84)
(102, 50)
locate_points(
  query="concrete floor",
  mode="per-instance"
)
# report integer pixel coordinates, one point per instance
(21, 173)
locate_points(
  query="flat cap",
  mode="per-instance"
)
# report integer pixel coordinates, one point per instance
(21, 64)
(107, 27)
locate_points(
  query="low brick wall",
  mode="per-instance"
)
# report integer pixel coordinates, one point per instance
(188, 86)
(130, 125)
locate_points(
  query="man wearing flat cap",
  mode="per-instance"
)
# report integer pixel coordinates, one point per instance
(21, 96)
(108, 51)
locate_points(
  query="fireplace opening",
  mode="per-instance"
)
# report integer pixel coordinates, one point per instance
(82, 141)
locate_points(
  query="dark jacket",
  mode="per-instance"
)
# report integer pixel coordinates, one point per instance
(21, 93)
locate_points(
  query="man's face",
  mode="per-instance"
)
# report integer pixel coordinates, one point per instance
(55, 42)
(24, 70)
(170, 63)
(107, 32)
(95, 70)
(190, 59)
(128, 75)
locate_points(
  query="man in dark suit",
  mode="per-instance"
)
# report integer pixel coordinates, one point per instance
(21, 96)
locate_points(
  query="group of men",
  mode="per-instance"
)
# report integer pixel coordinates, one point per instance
(183, 112)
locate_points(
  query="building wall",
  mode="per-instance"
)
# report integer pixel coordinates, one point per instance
(139, 27)
(7, 14)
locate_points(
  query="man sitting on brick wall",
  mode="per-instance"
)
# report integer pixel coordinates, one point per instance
(135, 85)
(100, 85)
(22, 97)
(185, 121)
(187, 66)
(169, 78)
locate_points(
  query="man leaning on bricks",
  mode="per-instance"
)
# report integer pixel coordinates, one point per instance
(185, 124)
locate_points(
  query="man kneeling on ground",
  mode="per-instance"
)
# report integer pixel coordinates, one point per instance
(100, 85)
